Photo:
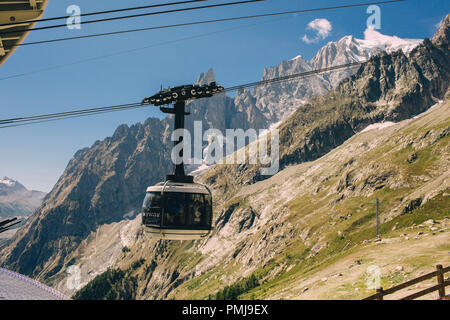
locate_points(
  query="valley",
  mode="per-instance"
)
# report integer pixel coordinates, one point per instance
(347, 140)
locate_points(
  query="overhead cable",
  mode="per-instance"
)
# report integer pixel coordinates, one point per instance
(105, 12)
(178, 25)
(139, 15)
(20, 121)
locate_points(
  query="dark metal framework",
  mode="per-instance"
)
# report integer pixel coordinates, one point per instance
(8, 224)
(179, 209)
(179, 95)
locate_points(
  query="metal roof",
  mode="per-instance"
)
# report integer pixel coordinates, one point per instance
(14, 286)
(178, 187)
(17, 11)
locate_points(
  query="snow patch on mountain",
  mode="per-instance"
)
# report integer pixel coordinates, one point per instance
(8, 182)
(278, 101)
(297, 57)
(375, 40)
(379, 126)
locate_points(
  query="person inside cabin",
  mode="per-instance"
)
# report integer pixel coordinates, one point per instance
(197, 212)
(175, 211)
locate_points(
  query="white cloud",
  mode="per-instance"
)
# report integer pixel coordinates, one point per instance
(307, 40)
(322, 28)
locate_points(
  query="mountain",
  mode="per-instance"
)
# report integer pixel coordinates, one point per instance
(106, 183)
(350, 49)
(389, 87)
(381, 134)
(309, 231)
(278, 101)
(89, 218)
(16, 200)
(206, 78)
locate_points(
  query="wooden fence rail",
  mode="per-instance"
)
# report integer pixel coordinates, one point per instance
(440, 287)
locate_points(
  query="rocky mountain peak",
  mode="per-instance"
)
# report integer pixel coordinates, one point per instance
(16, 200)
(442, 36)
(121, 131)
(374, 40)
(286, 67)
(278, 101)
(8, 183)
(206, 78)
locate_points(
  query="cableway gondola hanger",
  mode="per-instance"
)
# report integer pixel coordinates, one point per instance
(179, 209)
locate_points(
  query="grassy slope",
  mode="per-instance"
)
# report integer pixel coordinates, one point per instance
(343, 226)
(315, 225)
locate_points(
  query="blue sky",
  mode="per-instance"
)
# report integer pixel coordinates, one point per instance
(37, 155)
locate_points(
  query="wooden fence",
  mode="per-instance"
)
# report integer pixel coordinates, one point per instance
(440, 287)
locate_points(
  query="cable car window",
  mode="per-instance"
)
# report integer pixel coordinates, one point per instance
(208, 209)
(152, 200)
(196, 212)
(152, 208)
(187, 210)
(176, 207)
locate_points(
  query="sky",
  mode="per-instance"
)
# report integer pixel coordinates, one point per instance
(238, 52)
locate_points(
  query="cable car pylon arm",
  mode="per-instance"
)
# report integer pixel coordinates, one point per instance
(178, 96)
(183, 93)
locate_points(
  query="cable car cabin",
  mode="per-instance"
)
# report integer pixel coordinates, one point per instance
(177, 211)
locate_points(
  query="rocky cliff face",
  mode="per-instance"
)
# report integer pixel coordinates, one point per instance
(298, 234)
(339, 152)
(390, 87)
(104, 185)
(278, 101)
(101, 184)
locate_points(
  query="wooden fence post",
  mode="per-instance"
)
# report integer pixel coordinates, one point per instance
(440, 279)
(380, 293)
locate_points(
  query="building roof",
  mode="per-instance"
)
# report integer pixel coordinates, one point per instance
(14, 27)
(14, 286)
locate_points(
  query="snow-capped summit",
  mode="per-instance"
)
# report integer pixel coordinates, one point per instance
(277, 101)
(350, 49)
(16, 200)
(375, 40)
(8, 183)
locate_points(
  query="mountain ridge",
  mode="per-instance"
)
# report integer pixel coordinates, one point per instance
(117, 169)
(278, 101)
(287, 232)
(321, 204)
